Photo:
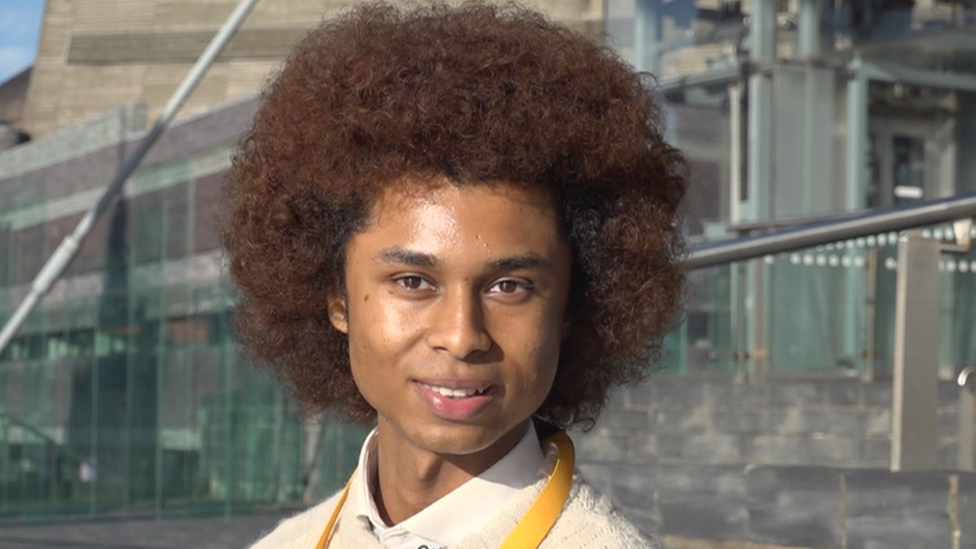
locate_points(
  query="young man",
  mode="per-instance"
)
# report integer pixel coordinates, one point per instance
(459, 223)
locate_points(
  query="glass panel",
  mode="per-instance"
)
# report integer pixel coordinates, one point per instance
(706, 341)
(831, 309)
(908, 166)
(124, 392)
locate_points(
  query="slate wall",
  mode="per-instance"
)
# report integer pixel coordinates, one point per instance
(838, 422)
(791, 463)
(796, 506)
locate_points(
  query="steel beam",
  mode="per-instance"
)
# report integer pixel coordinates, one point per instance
(919, 77)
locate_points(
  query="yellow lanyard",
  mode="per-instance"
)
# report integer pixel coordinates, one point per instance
(538, 520)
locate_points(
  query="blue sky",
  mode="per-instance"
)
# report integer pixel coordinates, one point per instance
(20, 27)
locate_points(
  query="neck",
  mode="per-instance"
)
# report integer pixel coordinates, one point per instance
(411, 478)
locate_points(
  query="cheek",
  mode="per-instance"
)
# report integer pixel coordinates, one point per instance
(550, 355)
(542, 360)
(380, 333)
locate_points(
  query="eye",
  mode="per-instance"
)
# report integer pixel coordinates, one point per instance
(411, 282)
(509, 286)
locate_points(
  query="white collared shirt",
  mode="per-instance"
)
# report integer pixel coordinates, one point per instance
(462, 512)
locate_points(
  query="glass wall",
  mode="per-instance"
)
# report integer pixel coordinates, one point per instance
(124, 394)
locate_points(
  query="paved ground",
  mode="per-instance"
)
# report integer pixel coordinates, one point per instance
(204, 533)
(197, 533)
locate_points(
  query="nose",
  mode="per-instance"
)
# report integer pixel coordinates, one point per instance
(458, 325)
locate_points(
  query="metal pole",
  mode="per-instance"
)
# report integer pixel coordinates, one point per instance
(735, 151)
(647, 36)
(759, 174)
(870, 314)
(68, 248)
(762, 38)
(810, 39)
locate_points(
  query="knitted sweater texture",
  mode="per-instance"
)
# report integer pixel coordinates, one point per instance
(588, 521)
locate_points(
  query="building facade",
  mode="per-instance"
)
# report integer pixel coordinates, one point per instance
(124, 394)
(799, 110)
(97, 55)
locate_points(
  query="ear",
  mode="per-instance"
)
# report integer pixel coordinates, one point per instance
(338, 312)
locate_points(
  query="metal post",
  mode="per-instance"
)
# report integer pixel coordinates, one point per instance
(762, 49)
(967, 419)
(741, 344)
(735, 151)
(758, 333)
(855, 190)
(66, 251)
(870, 315)
(914, 417)
(811, 36)
(857, 135)
(647, 36)
(762, 32)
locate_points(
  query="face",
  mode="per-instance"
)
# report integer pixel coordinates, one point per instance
(454, 308)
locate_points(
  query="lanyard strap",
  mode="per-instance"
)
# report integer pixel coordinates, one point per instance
(538, 520)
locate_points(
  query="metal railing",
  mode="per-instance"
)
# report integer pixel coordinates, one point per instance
(916, 354)
(816, 234)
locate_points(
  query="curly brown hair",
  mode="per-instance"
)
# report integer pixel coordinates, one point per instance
(474, 93)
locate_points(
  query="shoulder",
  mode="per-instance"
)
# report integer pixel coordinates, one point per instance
(590, 520)
(301, 531)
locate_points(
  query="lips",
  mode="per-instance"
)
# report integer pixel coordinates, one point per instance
(456, 401)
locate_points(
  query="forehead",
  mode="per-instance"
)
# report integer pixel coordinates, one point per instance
(411, 194)
(438, 214)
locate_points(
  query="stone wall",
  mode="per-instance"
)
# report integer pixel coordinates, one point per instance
(793, 506)
(839, 422)
(792, 463)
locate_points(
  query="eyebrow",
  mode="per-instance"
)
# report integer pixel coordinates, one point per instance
(522, 262)
(402, 256)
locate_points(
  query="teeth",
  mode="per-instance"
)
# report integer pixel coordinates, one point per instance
(455, 393)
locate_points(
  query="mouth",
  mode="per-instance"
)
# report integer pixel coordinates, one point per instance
(457, 401)
(457, 393)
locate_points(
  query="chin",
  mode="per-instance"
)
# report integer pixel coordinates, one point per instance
(457, 440)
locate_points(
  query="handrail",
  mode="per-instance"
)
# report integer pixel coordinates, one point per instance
(30, 428)
(744, 228)
(816, 234)
(61, 447)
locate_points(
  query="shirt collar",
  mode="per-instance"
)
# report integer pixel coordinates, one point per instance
(465, 510)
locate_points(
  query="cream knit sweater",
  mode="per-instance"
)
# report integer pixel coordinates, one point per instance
(588, 521)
